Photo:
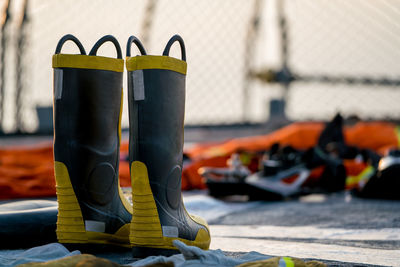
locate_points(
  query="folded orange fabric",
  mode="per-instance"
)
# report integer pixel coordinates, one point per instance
(27, 171)
(377, 136)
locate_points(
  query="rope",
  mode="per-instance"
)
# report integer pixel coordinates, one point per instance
(284, 46)
(4, 21)
(19, 67)
(251, 37)
(148, 21)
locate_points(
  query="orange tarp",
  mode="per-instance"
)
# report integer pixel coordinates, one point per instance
(28, 171)
(377, 136)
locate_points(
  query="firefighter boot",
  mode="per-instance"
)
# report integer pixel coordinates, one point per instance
(156, 97)
(87, 131)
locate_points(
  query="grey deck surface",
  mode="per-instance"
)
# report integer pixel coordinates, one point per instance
(337, 229)
(354, 232)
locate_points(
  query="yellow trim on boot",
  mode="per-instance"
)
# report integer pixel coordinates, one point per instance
(88, 62)
(70, 224)
(397, 132)
(146, 230)
(119, 238)
(156, 62)
(124, 201)
(120, 116)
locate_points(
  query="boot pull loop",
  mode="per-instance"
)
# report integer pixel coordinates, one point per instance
(173, 40)
(107, 38)
(133, 39)
(70, 37)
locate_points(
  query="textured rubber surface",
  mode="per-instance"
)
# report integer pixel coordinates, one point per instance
(156, 139)
(86, 140)
(87, 114)
(156, 100)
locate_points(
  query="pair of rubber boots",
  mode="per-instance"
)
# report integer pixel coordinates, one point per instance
(87, 133)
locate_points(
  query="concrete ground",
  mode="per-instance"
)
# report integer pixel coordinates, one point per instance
(337, 229)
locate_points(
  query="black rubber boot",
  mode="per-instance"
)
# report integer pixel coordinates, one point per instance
(87, 132)
(156, 96)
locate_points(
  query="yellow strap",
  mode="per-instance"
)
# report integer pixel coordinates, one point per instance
(156, 62)
(88, 62)
(397, 132)
(245, 158)
(361, 177)
(286, 262)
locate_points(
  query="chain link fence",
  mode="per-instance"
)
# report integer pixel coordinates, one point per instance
(319, 57)
(347, 54)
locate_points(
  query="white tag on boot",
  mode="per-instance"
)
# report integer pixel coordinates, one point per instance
(95, 226)
(138, 85)
(58, 83)
(170, 231)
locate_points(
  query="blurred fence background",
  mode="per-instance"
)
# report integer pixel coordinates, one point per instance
(314, 58)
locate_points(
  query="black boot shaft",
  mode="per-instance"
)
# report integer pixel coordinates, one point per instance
(87, 107)
(156, 137)
(156, 96)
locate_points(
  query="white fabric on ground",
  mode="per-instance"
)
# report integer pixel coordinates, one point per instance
(196, 203)
(37, 254)
(194, 256)
(191, 256)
